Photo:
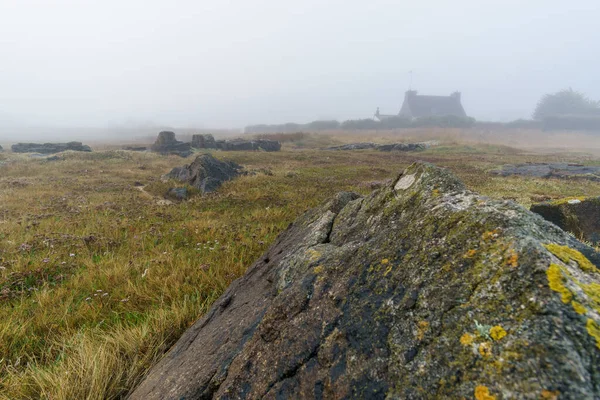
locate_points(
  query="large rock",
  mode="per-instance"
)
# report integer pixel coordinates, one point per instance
(248, 145)
(205, 141)
(420, 290)
(167, 144)
(579, 216)
(385, 147)
(206, 173)
(550, 170)
(48, 148)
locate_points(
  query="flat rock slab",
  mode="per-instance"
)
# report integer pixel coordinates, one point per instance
(580, 216)
(422, 289)
(550, 170)
(49, 148)
(384, 147)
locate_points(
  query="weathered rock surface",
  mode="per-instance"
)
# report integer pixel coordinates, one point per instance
(167, 144)
(135, 148)
(206, 173)
(579, 216)
(205, 141)
(383, 147)
(420, 290)
(248, 145)
(550, 170)
(1, 149)
(49, 148)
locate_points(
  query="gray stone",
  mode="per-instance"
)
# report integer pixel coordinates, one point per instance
(422, 289)
(206, 173)
(578, 216)
(167, 144)
(550, 170)
(204, 141)
(248, 145)
(178, 193)
(49, 148)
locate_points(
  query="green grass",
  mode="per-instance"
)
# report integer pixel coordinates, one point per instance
(99, 278)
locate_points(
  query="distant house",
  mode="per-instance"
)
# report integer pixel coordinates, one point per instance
(416, 106)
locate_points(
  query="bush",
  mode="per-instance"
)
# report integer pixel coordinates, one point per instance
(565, 102)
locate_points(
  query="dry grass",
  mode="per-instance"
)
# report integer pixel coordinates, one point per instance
(97, 279)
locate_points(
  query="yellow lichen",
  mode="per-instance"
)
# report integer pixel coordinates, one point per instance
(470, 253)
(512, 260)
(467, 339)
(556, 282)
(549, 395)
(318, 269)
(567, 254)
(385, 261)
(435, 192)
(422, 328)
(578, 307)
(497, 332)
(485, 349)
(483, 393)
(594, 330)
(313, 254)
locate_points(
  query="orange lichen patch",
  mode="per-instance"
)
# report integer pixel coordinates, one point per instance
(548, 395)
(578, 307)
(556, 282)
(467, 339)
(594, 330)
(422, 328)
(567, 254)
(490, 235)
(470, 254)
(485, 349)
(513, 258)
(483, 393)
(497, 332)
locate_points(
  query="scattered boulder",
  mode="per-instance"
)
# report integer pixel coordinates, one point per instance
(205, 141)
(135, 148)
(550, 170)
(248, 145)
(206, 173)
(167, 144)
(1, 149)
(49, 148)
(422, 289)
(178, 193)
(580, 216)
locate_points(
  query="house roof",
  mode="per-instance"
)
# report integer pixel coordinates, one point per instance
(423, 106)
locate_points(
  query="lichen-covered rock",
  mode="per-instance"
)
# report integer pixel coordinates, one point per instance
(167, 144)
(580, 216)
(49, 148)
(550, 170)
(421, 290)
(206, 173)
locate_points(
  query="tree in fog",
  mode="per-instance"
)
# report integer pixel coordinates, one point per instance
(565, 102)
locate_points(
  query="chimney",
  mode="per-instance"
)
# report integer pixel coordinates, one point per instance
(456, 95)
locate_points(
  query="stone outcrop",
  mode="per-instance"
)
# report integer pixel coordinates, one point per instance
(550, 170)
(420, 290)
(167, 144)
(580, 216)
(204, 141)
(49, 148)
(248, 145)
(206, 173)
(384, 147)
(1, 149)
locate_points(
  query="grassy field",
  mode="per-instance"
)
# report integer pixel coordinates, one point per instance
(99, 274)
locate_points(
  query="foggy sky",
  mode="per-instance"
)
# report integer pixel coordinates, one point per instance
(230, 63)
